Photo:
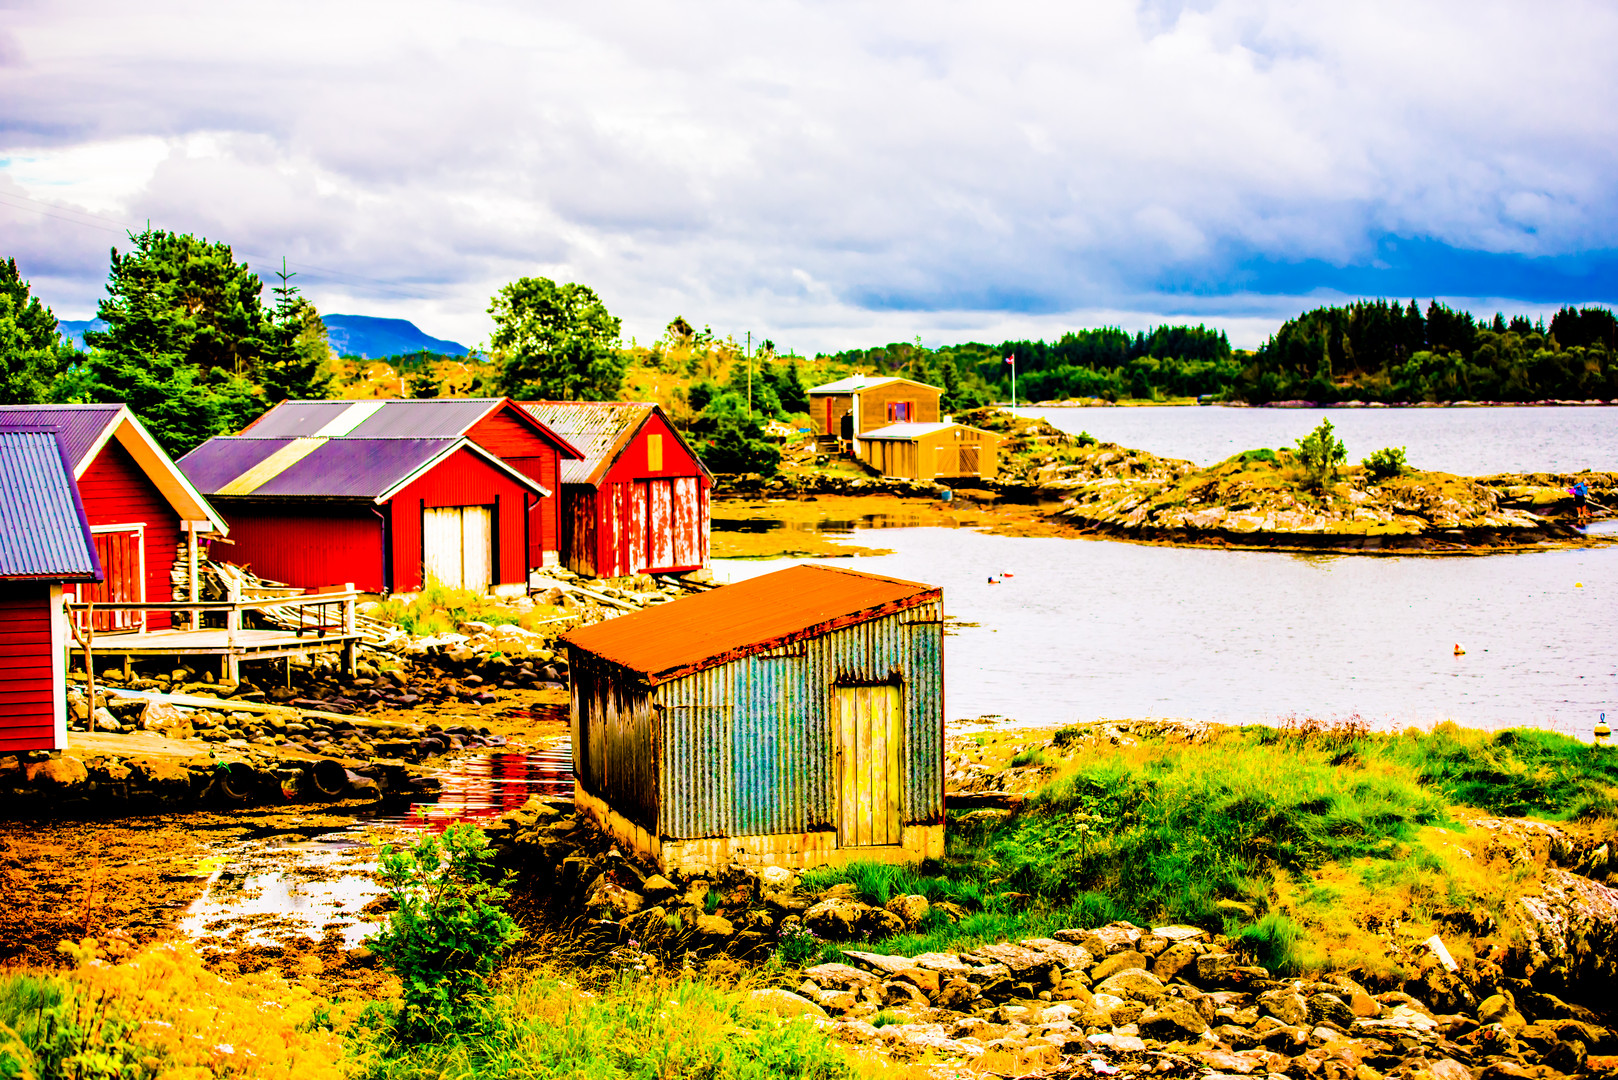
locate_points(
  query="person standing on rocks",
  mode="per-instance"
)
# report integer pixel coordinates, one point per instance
(1581, 501)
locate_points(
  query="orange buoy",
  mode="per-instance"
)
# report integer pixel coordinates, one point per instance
(1458, 650)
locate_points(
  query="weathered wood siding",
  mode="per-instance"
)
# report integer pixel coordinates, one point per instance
(307, 546)
(874, 404)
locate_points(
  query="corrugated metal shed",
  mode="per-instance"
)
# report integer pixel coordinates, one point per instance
(794, 719)
(330, 468)
(81, 428)
(729, 623)
(43, 531)
(598, 429)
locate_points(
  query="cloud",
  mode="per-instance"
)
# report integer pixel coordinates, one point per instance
(827, 172)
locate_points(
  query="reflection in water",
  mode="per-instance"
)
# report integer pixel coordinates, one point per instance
(267, 891)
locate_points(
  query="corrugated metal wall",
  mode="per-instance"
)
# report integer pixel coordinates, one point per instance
(615, 738)
(307, 545)
(747, 748)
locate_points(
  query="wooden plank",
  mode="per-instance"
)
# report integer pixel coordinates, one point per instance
(862, 723)
(896, 786)
(877, 723)
(847, 810)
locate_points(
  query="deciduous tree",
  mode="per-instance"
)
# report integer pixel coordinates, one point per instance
(556, 342)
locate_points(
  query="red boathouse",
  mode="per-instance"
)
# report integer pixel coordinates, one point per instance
(637, 501)
(388, 514)
(143, 512)
(496, 424)
(45, 541)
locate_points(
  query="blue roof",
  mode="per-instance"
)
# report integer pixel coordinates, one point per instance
(43, 532)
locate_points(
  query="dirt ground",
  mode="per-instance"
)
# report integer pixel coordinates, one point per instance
(818, 526)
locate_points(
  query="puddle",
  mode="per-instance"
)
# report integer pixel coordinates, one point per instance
(267, 891)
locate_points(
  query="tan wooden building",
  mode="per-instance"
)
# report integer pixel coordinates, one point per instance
(844, 410)
(928, 451)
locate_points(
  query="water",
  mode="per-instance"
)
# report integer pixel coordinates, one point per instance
(263, 892)
(1472, 442)
(1086, 629)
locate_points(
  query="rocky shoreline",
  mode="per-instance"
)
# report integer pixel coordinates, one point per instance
(1118, 998)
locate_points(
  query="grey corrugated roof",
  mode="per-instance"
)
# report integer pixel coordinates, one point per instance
(80, 427)
(43, 531)
(599, 429)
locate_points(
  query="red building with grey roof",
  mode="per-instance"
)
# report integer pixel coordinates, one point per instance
(522, 441)
(45, 543)
(636, 500)
(389, 514)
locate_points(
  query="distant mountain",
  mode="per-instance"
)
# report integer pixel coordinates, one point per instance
(363, 335)
(350, 335)
(73, 329)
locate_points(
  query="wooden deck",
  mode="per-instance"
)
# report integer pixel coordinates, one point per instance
(233, 642)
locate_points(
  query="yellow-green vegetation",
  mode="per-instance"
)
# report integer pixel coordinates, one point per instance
(1306, 843)
(161, 1014)
(438, 609)
(631, 1025)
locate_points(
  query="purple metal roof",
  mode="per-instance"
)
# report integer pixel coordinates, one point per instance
(427, 418)
(79, 427)
(337, 469)
(355, 468)
(424, 419)
(43, 531)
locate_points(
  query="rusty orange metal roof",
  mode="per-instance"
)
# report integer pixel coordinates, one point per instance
(716, 627)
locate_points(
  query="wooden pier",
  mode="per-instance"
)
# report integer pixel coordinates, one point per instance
(307, 623)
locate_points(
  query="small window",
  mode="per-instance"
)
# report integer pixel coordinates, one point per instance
(899, 412)
(654, 453)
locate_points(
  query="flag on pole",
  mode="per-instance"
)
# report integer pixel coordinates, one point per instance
(1011, 359)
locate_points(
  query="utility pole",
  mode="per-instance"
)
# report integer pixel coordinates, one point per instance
(748, 354)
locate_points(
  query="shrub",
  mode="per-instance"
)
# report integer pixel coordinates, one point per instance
(1084, 438)
(1265, 454)
(1320, 452)
(1064, 737)
(1033, 756)
(447, 934)
(798, 944)
(1386, 463)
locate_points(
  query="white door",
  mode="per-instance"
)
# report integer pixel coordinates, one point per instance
(457, 546)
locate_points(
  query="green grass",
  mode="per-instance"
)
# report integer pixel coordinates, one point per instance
(1517, 772)
(1253, 833)
(544, 1027)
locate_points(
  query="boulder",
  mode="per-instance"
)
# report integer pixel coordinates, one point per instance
(910, 909)
(1132, 984)
(957, 993)
(839, 977)
(836, 918)
(1571, 930)
(1175, 959)
(926, 981)
(713, 931)
(880, 962)
(785, 1003)
(777, 877)
(903, 994)
(1073, 958)
(879, 923)
(1117, 962)
(1172, 1020)
(1285, 1006)
(1330, 1009)
(57, 773)
(611, 901)
(1024, 964)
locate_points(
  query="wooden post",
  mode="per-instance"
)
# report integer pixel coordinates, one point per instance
(350, 646)
(229, 668)
(194, 619)
(85, 641)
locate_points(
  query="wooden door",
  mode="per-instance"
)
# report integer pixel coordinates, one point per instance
(123, 566)
(457, 546)
(870, 735)
(969, 460)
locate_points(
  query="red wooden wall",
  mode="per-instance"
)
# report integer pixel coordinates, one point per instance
(517, 444)
(306, 545)
(116, 491)
(463, 479)
(643, 519)
(28, 685)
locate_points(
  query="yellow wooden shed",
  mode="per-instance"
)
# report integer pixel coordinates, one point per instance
(929, 451)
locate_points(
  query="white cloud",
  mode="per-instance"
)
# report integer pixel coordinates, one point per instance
(825, 173)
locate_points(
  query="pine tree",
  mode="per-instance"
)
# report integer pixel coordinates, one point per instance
(294, 364)
(33, 356)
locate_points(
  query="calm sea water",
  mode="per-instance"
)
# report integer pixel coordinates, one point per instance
(1473, 442)
(1086, 629)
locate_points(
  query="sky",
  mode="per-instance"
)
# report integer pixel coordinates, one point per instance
(828, 174)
